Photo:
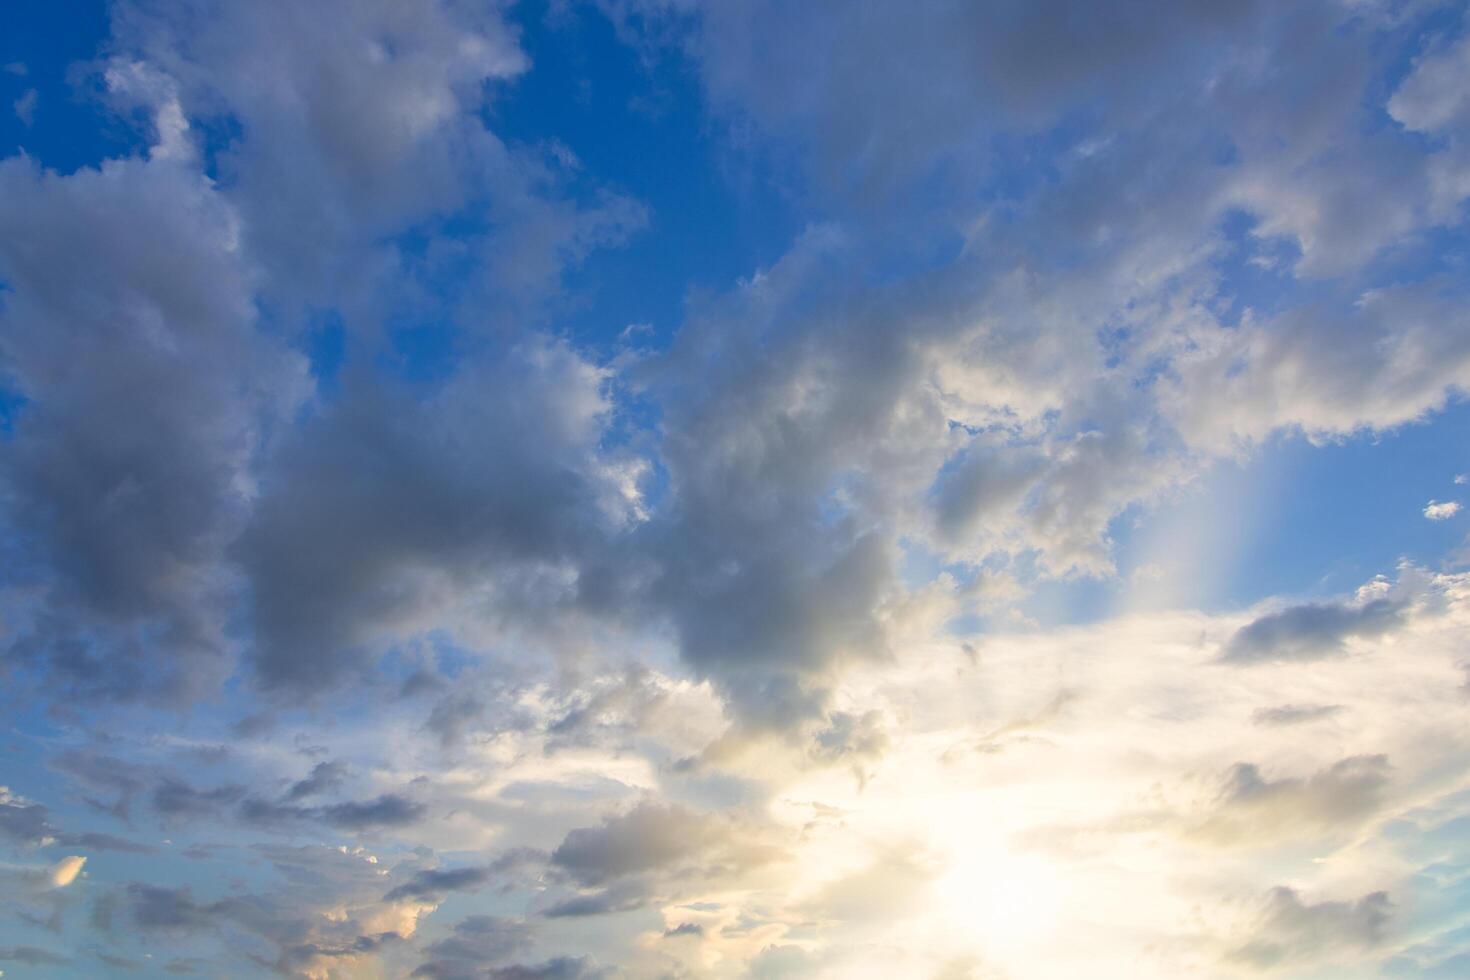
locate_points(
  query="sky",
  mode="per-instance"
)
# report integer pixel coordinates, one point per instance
(580, 489)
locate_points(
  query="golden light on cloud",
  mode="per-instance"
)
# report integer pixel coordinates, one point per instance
(65, 871)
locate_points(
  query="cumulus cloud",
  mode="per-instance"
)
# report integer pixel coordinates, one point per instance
(1441, 511)
(372, 125)
(127, 513)
(454, 536)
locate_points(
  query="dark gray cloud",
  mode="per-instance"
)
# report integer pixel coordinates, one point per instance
(169, 909)
(558, 968)
(1312, 631)
(431, 885)
(387, 810)
(324, 777)
(29, 824)
(24, 821)
(384, 811)
(477, 941)
(378, 524)
(121, 516)
(176, 798)
(1291, 931)
(622, 897)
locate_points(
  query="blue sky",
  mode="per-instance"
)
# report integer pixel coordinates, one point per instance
(683, 488)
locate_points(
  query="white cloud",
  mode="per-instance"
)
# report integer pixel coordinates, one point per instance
(1441, 510)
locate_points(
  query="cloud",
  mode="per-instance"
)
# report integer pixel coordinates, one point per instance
(653, 837)
(169, 909)
(324, 776)
(432, 884)
(29, 824)
(1006, 66)
(370, 126)
(471, 539)
(1437, 511)
(1432, 96)
(647, 837)
(1292, 932)
(32, 956)
(127, 513)
(387, 810)
(558, 968)
(1370, 361)
(24, 821)
(176, 798)
(65, 871)
(1252, 807)
(624, 897)
(476, 941)
(1312, 631)
(319, 461)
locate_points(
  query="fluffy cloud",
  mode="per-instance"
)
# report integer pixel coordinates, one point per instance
(390, 516)
(127, 513)
(1441, 511)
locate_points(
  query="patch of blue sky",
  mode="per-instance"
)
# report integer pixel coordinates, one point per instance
(42, 46)
(638, 124)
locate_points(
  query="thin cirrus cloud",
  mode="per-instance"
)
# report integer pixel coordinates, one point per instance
(653, 488)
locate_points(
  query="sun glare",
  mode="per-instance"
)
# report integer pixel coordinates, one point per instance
(1005, 902)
